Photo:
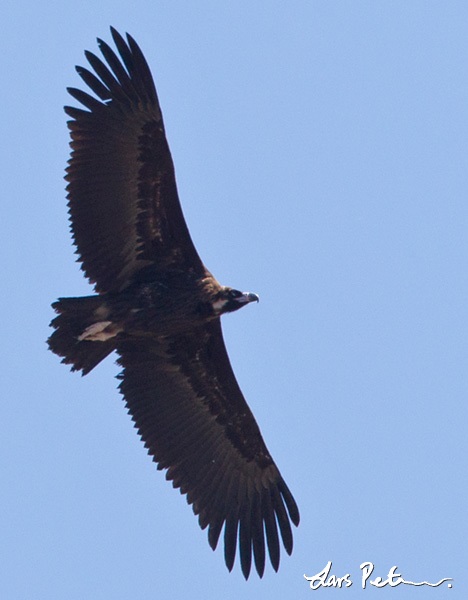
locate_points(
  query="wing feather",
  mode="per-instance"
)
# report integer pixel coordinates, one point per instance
(126, 218)
(93, 83)
(189, 410)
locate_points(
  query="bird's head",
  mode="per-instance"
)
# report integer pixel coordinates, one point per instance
(229, 300)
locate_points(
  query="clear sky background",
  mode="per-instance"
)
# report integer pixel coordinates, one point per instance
(321, 154)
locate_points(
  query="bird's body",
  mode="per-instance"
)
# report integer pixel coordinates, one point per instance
(173, 303)
(159, 307)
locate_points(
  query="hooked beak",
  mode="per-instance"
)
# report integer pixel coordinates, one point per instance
(247, 297)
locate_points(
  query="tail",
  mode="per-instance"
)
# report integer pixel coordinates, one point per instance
(74, 316)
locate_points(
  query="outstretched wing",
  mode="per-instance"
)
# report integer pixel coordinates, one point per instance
(124, 208)
(185, 401)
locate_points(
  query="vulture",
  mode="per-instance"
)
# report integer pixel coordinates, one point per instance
(159, 308)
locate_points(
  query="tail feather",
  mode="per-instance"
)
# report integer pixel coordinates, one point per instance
(74, 316)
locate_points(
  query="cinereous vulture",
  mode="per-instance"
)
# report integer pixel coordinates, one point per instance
(159, 308)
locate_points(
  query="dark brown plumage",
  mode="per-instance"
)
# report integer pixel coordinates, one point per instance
(160, 308)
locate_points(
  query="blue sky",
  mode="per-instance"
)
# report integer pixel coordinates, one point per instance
(321, 155)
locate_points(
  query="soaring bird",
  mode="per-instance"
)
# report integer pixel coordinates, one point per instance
(159, 308)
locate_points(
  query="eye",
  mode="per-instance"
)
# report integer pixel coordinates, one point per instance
(234, 294)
